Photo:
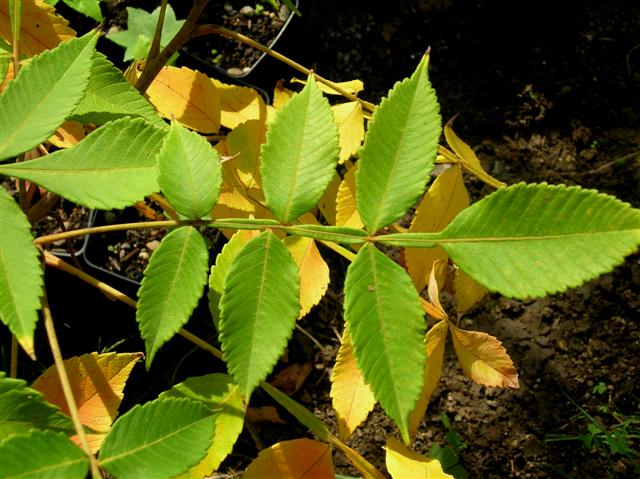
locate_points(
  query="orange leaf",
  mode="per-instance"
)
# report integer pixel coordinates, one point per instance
(346, 210)
(187, 96)
(468, 158)
(239, 104)
(314, 272)
(263, 414)
(467, 291)
(40, 28)
(434, 344)
(97, 381)
(350, 121)
(402, 463)
(484, 359)
(291, 378)
(442, 202)
(352, 397)
(67, 135)
(297, 459)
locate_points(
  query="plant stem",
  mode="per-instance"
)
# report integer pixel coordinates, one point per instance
(218, 30)
(13, 359)
(66, 386)
(155, 44)
(153, 66)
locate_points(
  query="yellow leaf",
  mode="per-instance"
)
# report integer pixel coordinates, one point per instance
(434, 343)
(314, 272)
(187, 96)
(97, 382)
(402, 463)
(446, 197)
(232, 191)
(352, 397)
(67, 134)
(327, 203)
(40, 28)
(245, 141)
(351, 86)
(350, 121)
(281, 95)
(297, 459)
(346, 209)
(468, 158)
(7, 77)
(239, 104)
(483, 358)
(467, 291)
(437, 277)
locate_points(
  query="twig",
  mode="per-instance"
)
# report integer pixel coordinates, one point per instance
(155, 44)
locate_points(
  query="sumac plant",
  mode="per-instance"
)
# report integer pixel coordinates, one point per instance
(271, 184)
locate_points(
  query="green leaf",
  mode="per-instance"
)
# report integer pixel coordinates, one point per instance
(221, 395)
(42, 455)
(110, 96)
(532, 240)
(158, 440)
(20, 273)
(259, 307)
(89, 8)
(189, 172)
(300, 154)
(385, 320)
(142, 24)
(23, 409)
(173, 282)
(44, 94)
(113, 167)
(399, 150)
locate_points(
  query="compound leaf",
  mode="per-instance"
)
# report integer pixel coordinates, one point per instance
(221, 395)
(172, 284)
(44, 94)
(399, 151)
(403, 463)
(386, 326)
(296, 459)
(20, 274)
(300, 154)
(259, 306)
(346, 209)
(158, 440)
(42, 455)
(189, 172)
(350, 120)
(113, 167)
(97, 382)
(314, 272)
(239, 104)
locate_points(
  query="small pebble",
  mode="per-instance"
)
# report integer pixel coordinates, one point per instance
(152, 245)
(247, 11)
(234, 71)
(143, 255)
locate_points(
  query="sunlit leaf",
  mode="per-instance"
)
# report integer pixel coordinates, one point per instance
(352, 397)
(467, 291)
(159, 439)
(350, 121)
(483, 358)
(434, 344)
(467, 157)
(446, 197)
(221, 395)
(40, 28)
(281, 95)
(402, 463)
(346, 209)
(297, 459)
(299, 157)
(90, 8)
(386, 326)
(21, 278)
(239, 104)
(314, 272)
(97, 383)
(244, 143)
(399, 151)
(327, 203)
(259, 306)
(351, 86)
(42, 455)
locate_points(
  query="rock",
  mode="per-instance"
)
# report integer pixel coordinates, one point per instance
(247, 11)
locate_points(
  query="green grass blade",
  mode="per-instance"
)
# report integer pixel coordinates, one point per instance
(109, 96)
(532, 240)
(385, 320)
(300, 154)
(158, 440)
(42, 455)
(189, 172)
(399, 150)
(113, 167)
(44, 94)
(20, 273)
(259, 307)
(173, 282)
